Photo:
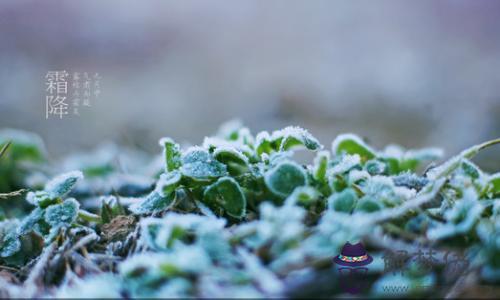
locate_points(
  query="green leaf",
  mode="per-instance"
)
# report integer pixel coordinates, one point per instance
(461, 219)
(168, 183)
(41, 199)
(493, 185)
(303, 195)
(294, 137)
(172, 154)
(227, 194)
(284, 178)
(10, 245)
(236, 162)
(321, 166)
(344, 163)
(19, 250)
(352, 144)
(263, 143)
(198, 165)
(34, 221)
(62, 184)
(470, 169)
(61, 215)
(344, 201)
(152, 203)
(368, 205)
(111, 208)
(375, 167)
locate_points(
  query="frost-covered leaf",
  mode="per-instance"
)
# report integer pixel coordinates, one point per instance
(375, 167)
(303, 195)
(493, 185)
(34, 221)
(263, 143)
(410, 180)
(198, 164)
(294, 137)
(168, 182)
(284, 178)
(470, 169)
(356, 176)
(344, 201)
(154, 202)
(173, 229)
(41, 199)
(384, 190)
(461, 218)
(321, 166)
(367, 204)
(61, 215)
(226, 193)
(62, 184)
(344, 163)
(10, 245)
(171, 153)
(352, 144)
(236, 162)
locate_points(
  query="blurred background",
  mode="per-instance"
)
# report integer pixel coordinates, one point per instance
(417, 73)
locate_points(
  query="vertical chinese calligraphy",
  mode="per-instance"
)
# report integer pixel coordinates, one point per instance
(66, 93)
(57, 90)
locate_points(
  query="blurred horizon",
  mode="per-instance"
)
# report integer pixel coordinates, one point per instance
(417, 74)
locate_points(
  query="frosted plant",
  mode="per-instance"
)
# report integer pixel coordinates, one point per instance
(239, 216)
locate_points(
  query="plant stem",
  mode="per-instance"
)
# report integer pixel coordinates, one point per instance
(89, 217)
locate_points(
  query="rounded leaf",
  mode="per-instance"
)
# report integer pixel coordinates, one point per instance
(352, 144)
(62, 214)
(199, 165)
(344, 201)
(294, 137)
(284, 178)
(368, 204)
(236, 162)
(152, 203)
(227, 194)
